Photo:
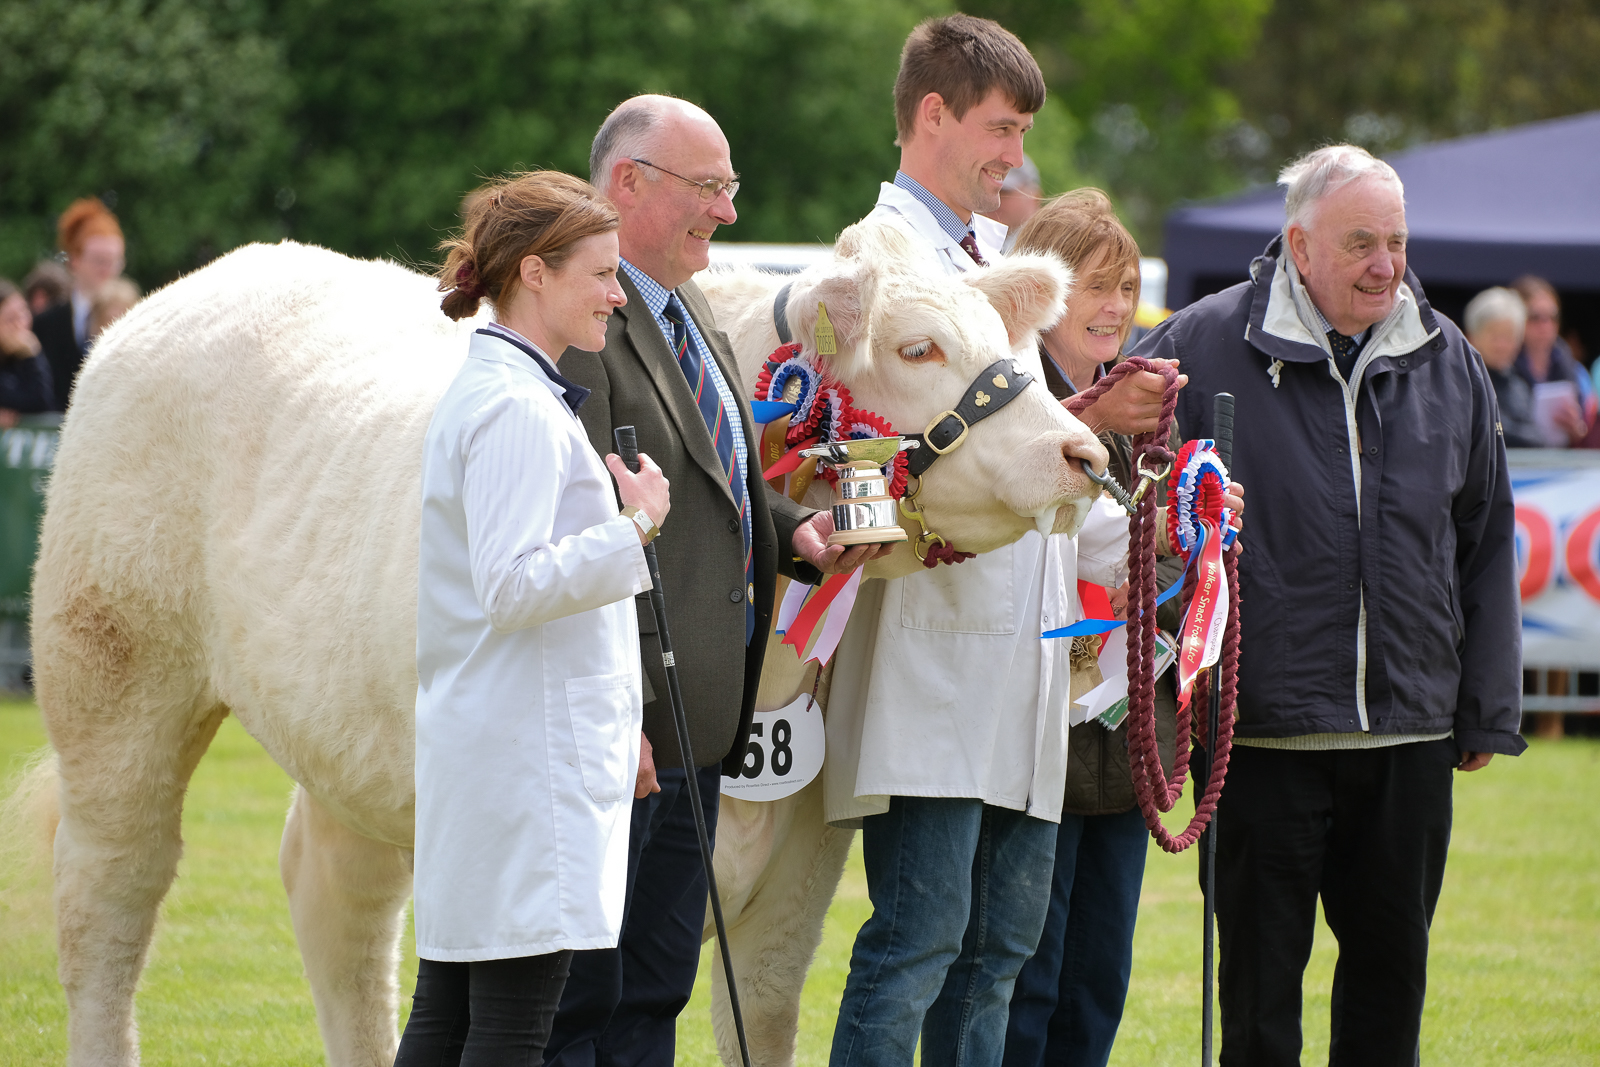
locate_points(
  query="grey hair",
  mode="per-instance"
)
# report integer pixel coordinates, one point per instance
(627, 132)
(1495, 305)
(1327, 170)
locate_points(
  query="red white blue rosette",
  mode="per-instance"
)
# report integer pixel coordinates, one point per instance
(1195, 490)
(1201, 528)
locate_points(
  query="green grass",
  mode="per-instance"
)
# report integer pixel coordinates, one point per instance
(1512, 974)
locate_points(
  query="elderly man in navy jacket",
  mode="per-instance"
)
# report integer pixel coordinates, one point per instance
(1380, 650)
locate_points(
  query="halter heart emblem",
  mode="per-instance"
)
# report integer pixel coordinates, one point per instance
(1000, 382)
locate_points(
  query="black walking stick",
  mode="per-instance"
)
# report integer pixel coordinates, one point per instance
(1222, 433)
(628, 449)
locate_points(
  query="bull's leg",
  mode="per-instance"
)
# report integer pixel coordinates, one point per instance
(126, 753)
(347, 897)
(777, 932)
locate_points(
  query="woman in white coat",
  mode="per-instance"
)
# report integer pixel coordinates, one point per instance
(528, 699)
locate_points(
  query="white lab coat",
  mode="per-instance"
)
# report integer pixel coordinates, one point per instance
(528, 702)
(942, 686)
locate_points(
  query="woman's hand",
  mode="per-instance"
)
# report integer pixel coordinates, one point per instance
(1133, 404)
(646, 490)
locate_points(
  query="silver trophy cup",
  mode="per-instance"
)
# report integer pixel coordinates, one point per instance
(863, 510)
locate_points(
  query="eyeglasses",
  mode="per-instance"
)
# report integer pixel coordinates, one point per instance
(708, 188)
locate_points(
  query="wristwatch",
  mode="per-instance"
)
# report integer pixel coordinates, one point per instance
(646, 524)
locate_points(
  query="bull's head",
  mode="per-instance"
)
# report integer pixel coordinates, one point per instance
(911, 342)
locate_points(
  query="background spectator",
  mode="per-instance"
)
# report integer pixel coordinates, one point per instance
(46, 285)
(114, 301)
(1546, 358)
(24, 374)
(1020, 196)
(1495, 321)
(92, 239)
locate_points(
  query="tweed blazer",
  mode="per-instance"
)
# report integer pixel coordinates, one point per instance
(635, 380)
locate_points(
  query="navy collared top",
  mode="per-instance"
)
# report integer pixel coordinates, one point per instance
(573, 393)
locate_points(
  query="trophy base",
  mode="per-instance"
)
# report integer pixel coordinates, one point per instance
(868, 536)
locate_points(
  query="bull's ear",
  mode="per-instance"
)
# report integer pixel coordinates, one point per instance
(1029, 290)
(886, 245)
(840, 290)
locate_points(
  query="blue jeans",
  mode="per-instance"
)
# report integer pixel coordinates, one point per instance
(959, 893)
(1069, 996)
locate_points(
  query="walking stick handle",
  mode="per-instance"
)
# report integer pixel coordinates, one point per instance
(1222, 426)
(628, 444)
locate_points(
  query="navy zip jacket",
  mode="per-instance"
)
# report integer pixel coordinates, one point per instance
(1378, 583)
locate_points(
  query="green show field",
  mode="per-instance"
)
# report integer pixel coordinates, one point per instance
(1512, 978)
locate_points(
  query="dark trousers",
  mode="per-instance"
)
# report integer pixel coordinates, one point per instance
(1368, 830)
(1069, 997)
(621, 1005)
(488, 1013)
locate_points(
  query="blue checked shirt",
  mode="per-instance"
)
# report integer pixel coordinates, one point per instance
(948, 220)
(655, 298)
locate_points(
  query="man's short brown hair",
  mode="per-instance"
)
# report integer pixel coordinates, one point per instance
(962, 58)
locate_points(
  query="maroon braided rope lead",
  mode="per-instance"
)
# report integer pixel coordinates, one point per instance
(1155, 792)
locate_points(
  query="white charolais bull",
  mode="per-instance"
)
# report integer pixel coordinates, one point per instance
(778, 862)
(232, 527)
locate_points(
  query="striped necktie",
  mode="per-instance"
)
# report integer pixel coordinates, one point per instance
(970, 243)
(709, 400)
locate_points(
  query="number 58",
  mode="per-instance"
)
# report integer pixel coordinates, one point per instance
(755, 758)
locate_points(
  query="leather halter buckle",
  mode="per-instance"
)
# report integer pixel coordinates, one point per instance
(927, 433)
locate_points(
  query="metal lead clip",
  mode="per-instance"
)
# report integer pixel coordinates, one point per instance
(1129, 502)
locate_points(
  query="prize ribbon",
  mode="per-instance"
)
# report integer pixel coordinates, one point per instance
(1201, 528)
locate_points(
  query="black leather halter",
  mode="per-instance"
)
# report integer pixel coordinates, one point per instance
(780, 314)
(1000, 383)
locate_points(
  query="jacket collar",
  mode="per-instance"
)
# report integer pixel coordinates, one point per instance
(1280, 309)
(511, 343)
(650, 347)
(990, 234)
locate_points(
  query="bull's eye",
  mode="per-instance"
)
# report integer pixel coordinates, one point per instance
(919, 352)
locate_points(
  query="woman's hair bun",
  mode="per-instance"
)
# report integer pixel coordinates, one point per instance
(540, 213)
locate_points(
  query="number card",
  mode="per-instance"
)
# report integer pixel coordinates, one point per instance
(784, 754)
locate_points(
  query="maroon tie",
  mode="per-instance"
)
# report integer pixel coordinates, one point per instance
(970, 243)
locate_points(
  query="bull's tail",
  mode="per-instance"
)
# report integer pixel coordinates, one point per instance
(28, 818)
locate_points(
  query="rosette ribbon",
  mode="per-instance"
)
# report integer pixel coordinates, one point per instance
(818, 408)
(1201, 528)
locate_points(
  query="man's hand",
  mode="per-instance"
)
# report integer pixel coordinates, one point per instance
(645, 783)
(1133, 404)
(1474, 761)
(811, 545)
(1233, 499)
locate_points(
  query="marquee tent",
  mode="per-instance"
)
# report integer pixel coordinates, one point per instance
(1481, 210)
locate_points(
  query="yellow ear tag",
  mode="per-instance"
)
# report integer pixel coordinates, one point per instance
(826, 345)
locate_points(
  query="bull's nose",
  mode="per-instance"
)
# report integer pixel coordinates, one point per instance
(1084, 452)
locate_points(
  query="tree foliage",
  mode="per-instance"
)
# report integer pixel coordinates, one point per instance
(171, 109)
(1387, 74)
(1144, 80)
(360, 124)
